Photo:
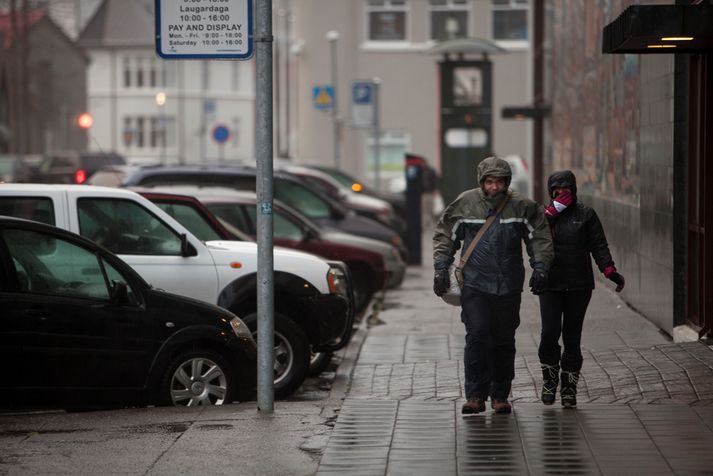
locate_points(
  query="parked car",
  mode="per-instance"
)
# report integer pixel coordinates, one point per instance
(80, 328)
(313, 306)
(367, 268)
(190, 212)
(13, 168)
(365, 205)
(73, 167)
(325, 211)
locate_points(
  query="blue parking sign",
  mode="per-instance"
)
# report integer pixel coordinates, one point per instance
(362, 93)
(363, 104)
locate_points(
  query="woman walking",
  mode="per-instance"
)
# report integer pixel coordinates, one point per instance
(577, 233)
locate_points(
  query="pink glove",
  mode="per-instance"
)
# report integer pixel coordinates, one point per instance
(559, 204)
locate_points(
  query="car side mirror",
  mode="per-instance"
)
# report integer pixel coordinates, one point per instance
(119, 292)
(309, 233)
(186, 249)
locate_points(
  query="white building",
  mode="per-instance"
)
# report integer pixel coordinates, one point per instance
(155, 110)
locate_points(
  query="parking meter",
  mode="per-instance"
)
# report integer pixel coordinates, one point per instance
(415, 168)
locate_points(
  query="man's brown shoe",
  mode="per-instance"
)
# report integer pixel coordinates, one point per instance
(501, 406)
(473, 405)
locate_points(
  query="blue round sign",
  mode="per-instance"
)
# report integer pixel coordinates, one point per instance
(221, 134)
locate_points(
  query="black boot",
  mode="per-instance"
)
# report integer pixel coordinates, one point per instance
(550, 376)
(568, 392)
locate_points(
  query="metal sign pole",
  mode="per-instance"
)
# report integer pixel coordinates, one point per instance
(332, 37)
(377, 136)
(263, 149)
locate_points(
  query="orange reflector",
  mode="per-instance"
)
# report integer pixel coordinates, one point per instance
(357, 187)
(236, 265)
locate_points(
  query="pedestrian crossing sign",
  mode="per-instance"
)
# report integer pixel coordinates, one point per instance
(323, 97)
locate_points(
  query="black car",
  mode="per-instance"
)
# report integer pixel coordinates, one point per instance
(323, 210)
(79, 328)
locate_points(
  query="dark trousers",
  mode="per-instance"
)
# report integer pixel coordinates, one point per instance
(562, 314)
(490, 324)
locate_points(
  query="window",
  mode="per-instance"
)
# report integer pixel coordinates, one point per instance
(125, 227)
(386, 20)
(37, 209)
(48, 265)
(191, 218)
(510, 19)
(392, 147)
(449, 19)
(232, 213)
(159, 130)
(284, 229)
(139, 72)
(302, 199)
(127, 72)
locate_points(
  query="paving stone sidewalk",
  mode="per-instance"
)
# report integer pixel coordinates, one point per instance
(646, 404)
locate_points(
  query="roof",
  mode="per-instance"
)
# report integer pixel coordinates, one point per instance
(120, 23)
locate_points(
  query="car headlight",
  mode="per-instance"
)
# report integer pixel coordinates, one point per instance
(240, 329)
(337, 281)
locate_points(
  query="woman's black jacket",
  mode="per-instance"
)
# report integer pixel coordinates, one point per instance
(577, 233)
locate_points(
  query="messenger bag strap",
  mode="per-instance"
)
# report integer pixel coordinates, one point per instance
(464, 256)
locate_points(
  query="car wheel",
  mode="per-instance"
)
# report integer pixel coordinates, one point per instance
(318, 362)
(199, 377)
(292, 356)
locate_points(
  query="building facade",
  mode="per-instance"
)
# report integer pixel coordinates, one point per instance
(390, 40)
(155, 110)
(627, 125)
(42, 85)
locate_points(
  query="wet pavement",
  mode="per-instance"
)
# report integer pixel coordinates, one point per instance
(390, 402)
(645, 403)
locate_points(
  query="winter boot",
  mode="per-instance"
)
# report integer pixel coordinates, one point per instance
(568, 392)
(501, 406)
(550, 377)
(473, 405)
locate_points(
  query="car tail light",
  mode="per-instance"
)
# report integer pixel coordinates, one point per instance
(80, 176)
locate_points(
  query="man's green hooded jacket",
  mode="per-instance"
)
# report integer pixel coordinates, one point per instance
(496, 265)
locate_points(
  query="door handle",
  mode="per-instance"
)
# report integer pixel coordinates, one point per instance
(38, 313)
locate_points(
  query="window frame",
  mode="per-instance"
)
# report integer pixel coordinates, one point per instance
(94, 199)
(387, 7)
(466, 7)
(513, 5)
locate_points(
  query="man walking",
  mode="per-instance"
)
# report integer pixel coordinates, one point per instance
(493, 277)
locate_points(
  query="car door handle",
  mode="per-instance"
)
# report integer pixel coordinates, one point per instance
(38, 313)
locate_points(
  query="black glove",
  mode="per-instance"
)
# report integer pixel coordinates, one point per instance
(441, 282)
(538, 281)
(611, 274)
(618, 279)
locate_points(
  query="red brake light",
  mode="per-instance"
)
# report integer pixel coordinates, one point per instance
(80, 176)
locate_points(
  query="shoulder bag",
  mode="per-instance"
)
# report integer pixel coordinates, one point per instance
(455, 273)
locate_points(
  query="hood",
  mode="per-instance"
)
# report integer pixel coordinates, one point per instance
(495, 167)
(307, 266)
(562, 178)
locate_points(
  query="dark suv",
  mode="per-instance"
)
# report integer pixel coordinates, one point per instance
(73, 167)
(82, 329)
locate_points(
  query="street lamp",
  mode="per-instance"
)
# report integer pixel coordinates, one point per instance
(160, 103)
(332, 37)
